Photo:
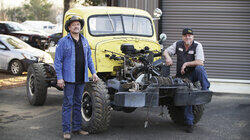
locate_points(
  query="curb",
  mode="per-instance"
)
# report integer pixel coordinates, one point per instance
(230, 94)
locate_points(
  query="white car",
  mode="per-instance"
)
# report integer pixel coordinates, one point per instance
(16, 55)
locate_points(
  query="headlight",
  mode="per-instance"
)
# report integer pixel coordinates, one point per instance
(48, 58)
(40, 59)
(29, 56)
(24, 38)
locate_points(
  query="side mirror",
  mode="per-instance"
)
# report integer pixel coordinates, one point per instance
(157, 14)
(162, 38)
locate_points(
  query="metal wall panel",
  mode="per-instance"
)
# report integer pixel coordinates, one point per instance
(223, 28)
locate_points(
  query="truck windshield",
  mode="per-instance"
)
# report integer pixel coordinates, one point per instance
(120, 25)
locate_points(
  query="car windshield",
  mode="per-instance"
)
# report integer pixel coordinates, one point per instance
(13, 42)
(120, 24)
(15, 27)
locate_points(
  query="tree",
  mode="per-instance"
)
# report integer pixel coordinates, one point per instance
(66, 4)
(38, 10)
(69, 3)
(34, 10)
(95, 2)
(16, 14)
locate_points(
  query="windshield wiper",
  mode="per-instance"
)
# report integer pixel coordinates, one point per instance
(111, 22)
(133, 22)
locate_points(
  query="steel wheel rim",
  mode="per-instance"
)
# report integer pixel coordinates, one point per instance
(15, 67)
(31, 85)
(86, 107)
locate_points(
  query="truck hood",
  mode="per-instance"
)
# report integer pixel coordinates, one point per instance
(112, 46)
(116, 42)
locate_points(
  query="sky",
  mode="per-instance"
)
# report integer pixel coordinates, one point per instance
(15, 3)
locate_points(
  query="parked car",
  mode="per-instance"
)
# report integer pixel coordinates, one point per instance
(16, 55)
(35, 39)
(53, 38)
(46, 26)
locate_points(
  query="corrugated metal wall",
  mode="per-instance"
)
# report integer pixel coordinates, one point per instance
(222, 26)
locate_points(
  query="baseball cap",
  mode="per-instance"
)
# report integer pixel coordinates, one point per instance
(187, 31)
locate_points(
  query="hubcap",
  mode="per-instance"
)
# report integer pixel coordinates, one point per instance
(86, 108)
(31, 85)
(15, 67)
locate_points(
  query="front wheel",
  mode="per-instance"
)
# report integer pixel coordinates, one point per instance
(16, 67)
(95, 108)
(36, 87)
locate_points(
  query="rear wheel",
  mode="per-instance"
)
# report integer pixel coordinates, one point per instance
(95, 109)
(16, 67)
(36, 87)
(177, 113)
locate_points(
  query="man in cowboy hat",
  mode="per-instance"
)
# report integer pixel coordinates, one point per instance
(72, 60)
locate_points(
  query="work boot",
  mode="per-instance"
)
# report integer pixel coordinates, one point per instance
(80, 132)
(66, 136)
(190, 128)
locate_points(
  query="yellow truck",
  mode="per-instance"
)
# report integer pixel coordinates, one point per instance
(127, 58)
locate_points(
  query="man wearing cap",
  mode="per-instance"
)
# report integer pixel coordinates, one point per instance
(190, 58)
(72, 60)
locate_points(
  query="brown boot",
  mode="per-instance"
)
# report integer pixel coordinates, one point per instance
(66, 136)
(80, 132)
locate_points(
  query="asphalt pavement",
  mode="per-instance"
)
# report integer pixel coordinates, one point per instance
(226, 117)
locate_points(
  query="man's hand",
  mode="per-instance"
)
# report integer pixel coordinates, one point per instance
(183, 68)
(169, 61)
(95, 77)
(60, 83)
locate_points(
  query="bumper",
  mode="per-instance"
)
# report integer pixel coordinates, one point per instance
(193, 98)
(148, 98)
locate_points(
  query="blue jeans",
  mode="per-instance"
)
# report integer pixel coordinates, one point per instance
(72, 100)
(199, 74)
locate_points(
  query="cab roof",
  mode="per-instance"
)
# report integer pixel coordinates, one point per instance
(86, 11)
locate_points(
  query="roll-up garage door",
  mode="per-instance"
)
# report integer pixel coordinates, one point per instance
(223, 28)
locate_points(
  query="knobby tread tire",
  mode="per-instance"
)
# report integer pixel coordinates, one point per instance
(177, 113)
(40, 88)
(101, 110)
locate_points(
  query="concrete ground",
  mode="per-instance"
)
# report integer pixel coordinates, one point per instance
(230, 87)
(225, 118)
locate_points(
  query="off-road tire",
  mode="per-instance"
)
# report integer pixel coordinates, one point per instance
(176, 113)
(97, 118)
(36, 87)
(16, 67)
